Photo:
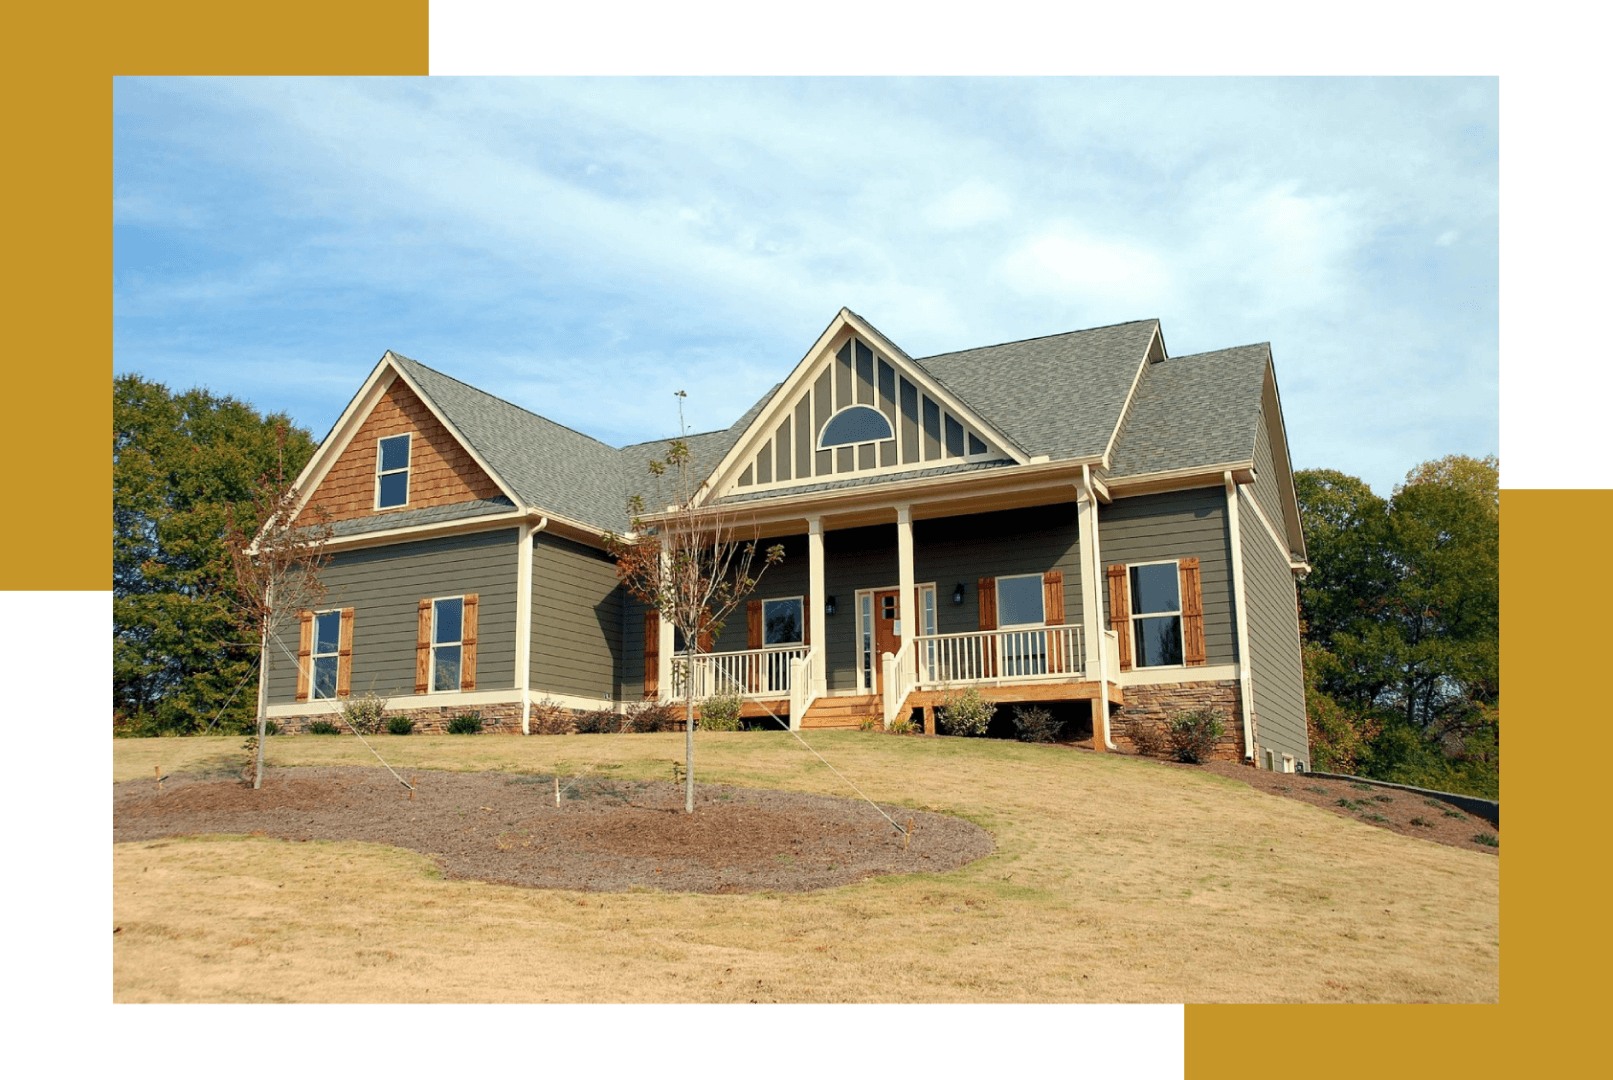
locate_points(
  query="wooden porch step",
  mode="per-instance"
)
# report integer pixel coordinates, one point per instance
(841, 712)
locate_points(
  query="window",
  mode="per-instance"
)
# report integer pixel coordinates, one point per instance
(856, 424)
(782, 621)
(447, 642)
(1156, 614)
(392, 472)
(1019, 601)
(326, 651)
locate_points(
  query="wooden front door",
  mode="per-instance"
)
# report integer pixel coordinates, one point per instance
(888, 632)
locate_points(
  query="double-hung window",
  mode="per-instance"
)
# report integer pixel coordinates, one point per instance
(392, 472)
(1156, 614)
(1019, 606)
(447, 642)
(326, 652)
(782, 621)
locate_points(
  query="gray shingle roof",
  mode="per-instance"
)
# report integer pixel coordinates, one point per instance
(1194, 410)
(1059, 395)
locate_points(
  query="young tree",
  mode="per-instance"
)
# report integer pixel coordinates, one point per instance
(276, 576)
(690, 564)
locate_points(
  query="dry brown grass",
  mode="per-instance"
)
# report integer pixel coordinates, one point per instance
(1112, 881)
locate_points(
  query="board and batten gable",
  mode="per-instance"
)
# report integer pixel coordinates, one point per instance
(577, 632)
(1277, 676)
(441, 471)
(1175, 525)
(384, 586)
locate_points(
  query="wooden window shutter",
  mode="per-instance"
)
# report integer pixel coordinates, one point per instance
(1192, 613)
(344, 655)
(1120, 612)
(652, 654)
(305, 650)
(1053, 615)
(753, 624)
(422, 650)
(806, 620)
(704, 638)
(467, 649)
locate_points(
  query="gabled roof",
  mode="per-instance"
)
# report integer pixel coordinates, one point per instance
(1061, 395)
(1194, 411)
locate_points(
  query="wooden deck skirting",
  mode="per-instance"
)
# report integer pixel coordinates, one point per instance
(1009, 691)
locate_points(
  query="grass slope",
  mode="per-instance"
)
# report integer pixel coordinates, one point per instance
(1112, 881)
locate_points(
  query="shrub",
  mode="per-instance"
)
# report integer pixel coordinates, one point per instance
(400, 725)
(1192, 735)
(720, 713)
(967, 714)
(549, 717)
(364, 714)
(599, 722)
(1035, 724)
(323, 727)
(902, 726)
(1487, 839)
(1148, 739)
(651, 716)
(466, 724)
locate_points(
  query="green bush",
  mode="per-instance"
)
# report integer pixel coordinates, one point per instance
(1035, 724)
(400, 725)
(323, 727)
(967, 714)
(364, 713)
(721, 713)
(1192, 735)
(466, 724)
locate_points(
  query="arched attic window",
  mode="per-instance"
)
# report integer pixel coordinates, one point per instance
(855, 424)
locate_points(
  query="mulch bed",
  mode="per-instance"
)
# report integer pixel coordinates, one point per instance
(605, 836)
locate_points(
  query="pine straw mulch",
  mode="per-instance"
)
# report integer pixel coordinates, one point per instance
(605, 836)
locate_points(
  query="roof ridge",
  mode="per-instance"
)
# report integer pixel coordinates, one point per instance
(1038, 337)
(504, 401)
(1211, 352)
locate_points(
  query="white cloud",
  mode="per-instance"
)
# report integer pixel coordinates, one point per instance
(971, 203)
(1066, 260)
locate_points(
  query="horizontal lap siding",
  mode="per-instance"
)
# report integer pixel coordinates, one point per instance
(776, 582)
(1276, 670)
(1175, 525)
(576, 620)
(1267, 493)
(948, 551)
(385, 585)
(630, 686)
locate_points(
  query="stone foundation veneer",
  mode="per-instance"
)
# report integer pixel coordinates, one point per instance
(1153, 706)
(502, 719)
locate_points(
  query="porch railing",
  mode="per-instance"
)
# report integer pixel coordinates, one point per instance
(751, 673)
(898, 680)
(803, 677)
(1021, 654)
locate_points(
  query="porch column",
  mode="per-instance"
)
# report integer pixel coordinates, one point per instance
(663, 683)
(907, 604)
(816, 597)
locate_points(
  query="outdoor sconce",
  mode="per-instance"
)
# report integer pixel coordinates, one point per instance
(829, 606)
(957, 593)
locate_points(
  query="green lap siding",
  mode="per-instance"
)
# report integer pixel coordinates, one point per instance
(1276, 673)
(1175, 525)
(384, 587)
(576, 620)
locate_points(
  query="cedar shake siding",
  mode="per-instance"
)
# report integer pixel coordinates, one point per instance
(576, 620)
(441, 472)
(384, 587)
(1276, 672)
(1175, 525)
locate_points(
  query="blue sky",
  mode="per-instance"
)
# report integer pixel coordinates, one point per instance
(585, 247)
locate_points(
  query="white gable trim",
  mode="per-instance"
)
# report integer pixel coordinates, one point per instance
(1131, 394)
(724, 477)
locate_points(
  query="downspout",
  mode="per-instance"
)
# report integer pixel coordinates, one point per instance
(523, 618)
(1245, 692)
(1095, 568)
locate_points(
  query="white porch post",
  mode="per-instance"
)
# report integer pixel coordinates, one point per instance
(907, 604)
(523, 623)
(1101, 739)
(663, 682)
(816, 624)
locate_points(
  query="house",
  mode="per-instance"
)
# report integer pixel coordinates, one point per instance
(1079, 519)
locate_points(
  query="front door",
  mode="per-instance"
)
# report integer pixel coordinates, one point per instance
(887, 632)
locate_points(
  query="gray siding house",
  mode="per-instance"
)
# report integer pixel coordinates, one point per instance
(1080, 520)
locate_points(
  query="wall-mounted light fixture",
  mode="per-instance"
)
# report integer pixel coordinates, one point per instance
(829, 606)
(957, 593)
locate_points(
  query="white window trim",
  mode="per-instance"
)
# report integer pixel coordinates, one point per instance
(314, 656)
(1131, 628)
(431, 675)
(797, 643)
(408, 480)
(1040, 580)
